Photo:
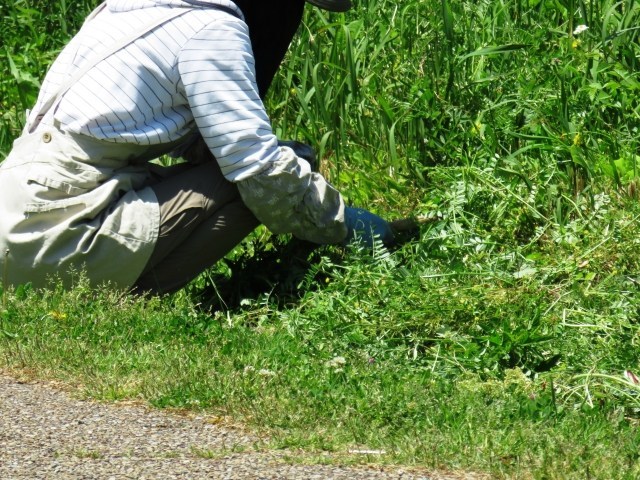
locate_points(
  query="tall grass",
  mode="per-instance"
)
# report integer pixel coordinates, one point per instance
(401, 88)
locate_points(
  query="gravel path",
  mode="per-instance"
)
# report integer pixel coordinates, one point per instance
(46, 434)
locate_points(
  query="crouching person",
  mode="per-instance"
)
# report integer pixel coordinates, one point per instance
(143, 79)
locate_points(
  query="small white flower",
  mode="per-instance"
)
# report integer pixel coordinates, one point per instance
(266, 373)
(579, 29)
(336, 362)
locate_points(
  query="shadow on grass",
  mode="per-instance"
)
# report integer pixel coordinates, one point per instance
(280, 272)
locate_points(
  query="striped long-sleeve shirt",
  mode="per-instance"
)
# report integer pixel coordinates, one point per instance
(193, 73)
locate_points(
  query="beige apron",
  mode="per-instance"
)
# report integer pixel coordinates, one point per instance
(70, 203)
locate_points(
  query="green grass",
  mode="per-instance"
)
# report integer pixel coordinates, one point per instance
(502, 338)
(439, 353)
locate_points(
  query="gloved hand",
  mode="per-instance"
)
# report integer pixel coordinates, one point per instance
(302, 150)
(366, 226)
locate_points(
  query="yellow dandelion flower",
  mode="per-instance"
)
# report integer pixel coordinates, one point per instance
(577, 139)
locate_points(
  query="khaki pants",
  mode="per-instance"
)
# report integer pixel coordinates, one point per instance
(202, 218)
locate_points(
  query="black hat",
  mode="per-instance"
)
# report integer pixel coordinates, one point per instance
(332, 5)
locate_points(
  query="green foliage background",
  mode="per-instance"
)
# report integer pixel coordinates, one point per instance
(504, 338)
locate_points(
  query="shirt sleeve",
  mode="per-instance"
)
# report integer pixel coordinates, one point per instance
(217, 73)
(289, 198)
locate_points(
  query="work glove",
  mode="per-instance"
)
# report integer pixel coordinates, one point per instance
(366, 227)
(302, 150)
